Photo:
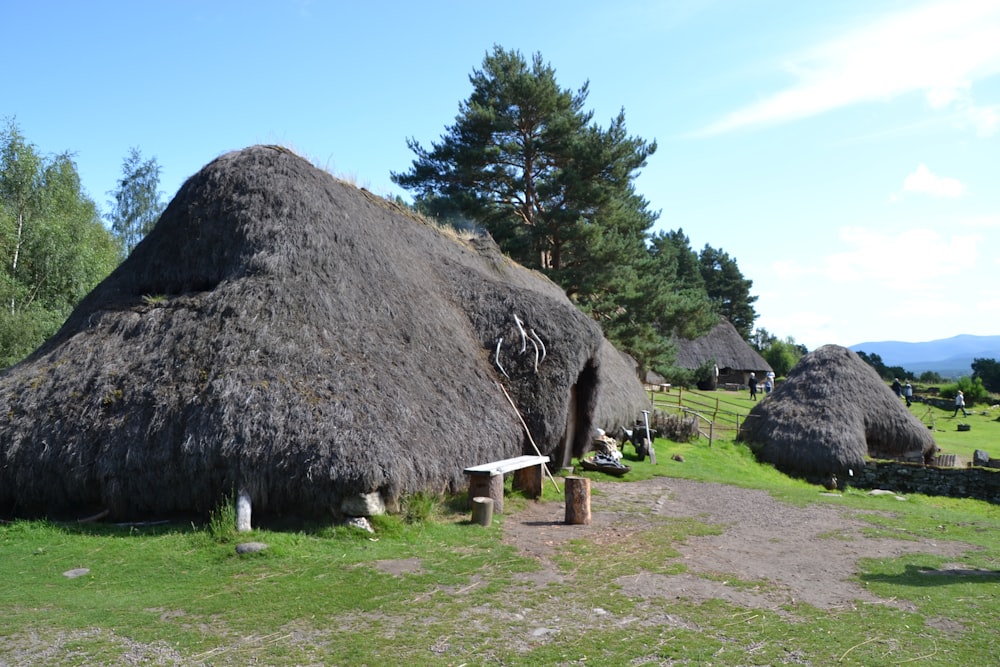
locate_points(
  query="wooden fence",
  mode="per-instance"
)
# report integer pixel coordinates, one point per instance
(716, 417)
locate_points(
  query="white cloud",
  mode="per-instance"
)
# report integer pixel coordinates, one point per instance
(888, 261)
(984, 119)
(938, 48)
(924, 256)
(989, 221)
(940, 98)
(923, 181)
(916, 285)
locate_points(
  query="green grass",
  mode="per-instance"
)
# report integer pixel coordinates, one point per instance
(179, 594)
(984, 431)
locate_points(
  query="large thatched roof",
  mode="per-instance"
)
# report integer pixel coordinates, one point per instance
(829, 415)
(725, 346)
(285, 333)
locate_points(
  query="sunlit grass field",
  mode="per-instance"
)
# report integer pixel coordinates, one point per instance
(179, 594)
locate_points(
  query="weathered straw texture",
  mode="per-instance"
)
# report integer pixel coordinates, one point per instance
(619, 392)
(723, 344)
(285, 333)
(829, 415)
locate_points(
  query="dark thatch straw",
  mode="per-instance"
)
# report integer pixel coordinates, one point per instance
(285, 333)
(723, 345)
(829, 415)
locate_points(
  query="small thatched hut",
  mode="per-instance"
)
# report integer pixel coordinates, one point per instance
(830, 414)
(724, 346)
(285, 334)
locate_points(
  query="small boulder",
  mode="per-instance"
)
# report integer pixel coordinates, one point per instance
(250, 547)
(361, 523)
(365, 504)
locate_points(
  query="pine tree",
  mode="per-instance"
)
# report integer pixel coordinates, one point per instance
(525, 162)
(728, 289)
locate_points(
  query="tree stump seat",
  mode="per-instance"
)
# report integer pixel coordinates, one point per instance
(486, 479)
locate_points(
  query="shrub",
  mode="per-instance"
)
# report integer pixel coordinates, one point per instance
(222, 521)
(419, 507)
(973, 389)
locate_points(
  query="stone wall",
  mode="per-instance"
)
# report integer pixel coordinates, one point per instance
(972, 482)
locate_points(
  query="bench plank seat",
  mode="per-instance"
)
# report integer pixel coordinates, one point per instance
(487, 479)
(506, 465)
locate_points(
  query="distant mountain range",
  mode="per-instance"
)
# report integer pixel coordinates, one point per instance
(949, 357)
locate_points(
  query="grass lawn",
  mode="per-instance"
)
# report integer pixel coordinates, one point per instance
(429, 588)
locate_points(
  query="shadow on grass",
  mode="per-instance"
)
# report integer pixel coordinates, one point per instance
(917, 575)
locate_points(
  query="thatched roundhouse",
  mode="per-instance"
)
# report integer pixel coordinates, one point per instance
(286, 334)
(724, 346)
(829, 416)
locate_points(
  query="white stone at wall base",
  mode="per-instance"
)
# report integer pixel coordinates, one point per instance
(368, 504)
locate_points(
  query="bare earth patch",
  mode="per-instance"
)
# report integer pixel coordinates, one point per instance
(779, 555)
(804, 554)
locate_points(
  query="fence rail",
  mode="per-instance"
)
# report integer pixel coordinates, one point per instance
(715, 416)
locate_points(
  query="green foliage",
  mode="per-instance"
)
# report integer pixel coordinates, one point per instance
(679, 377)
(222, 521)
(728, 289)
(675, 288)
(22, 332)
(525, 162)
(930, 377)
(420, 507)
(781, 355)
(137, 204)
(972, 388)
(885, 372)
(53, 247)
(987, 370)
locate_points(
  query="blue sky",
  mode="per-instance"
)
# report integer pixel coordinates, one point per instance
(847, 154)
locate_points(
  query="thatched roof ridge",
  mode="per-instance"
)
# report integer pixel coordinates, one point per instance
(830, 414)
(286, 333)
(723, 344)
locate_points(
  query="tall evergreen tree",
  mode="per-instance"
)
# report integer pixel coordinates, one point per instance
(137, 201)
(987, 370)
(728, 289)
(525, 162)
(686, 309)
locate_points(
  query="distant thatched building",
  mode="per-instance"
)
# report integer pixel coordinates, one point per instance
(724, 347)
(284, 333)
(831, 413)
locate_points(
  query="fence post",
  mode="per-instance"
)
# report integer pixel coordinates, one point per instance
(711, 432)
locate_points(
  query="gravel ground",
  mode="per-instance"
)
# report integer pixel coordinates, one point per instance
(792, 548)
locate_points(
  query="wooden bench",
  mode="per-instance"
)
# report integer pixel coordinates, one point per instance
(487, 479)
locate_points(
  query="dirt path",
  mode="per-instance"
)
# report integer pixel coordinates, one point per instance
(805, 554)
